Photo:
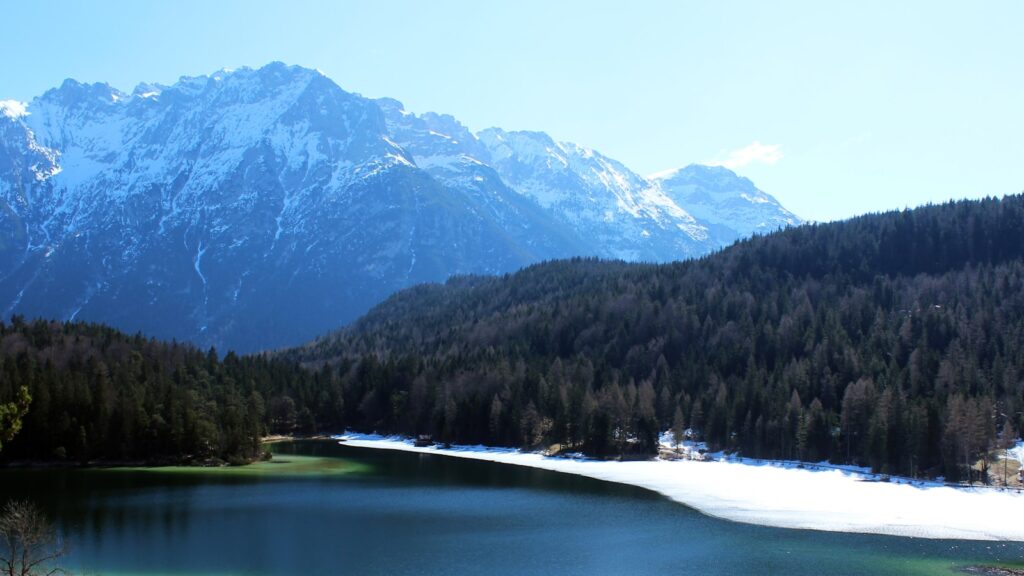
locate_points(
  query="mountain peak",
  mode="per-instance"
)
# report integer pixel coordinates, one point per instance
(694, 171)
(390, 104)
(272, 76)
(280, 72)
(711, 178)
(148, 90)
(72, 93)
(523, 145)
(731, 204)
(500, 135)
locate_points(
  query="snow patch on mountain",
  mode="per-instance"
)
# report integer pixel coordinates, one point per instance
(13, 109)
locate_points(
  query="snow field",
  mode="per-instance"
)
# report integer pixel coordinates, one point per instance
(779, 496)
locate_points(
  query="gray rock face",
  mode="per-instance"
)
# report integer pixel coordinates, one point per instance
(258, 208)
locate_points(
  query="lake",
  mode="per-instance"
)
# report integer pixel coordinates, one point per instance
(324, 508)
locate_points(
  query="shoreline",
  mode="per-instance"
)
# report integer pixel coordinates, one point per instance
(275, 438)
(153, 463)
(777, 496)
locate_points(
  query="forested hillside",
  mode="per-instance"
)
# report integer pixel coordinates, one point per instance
(894, 340)
(100, 395)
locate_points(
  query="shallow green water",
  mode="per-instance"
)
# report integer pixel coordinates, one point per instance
(329, 509)
(284, 464)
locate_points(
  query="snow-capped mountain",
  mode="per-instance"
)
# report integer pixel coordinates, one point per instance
(730, 206)
(627, 216)
(251, 209)
(677, 214)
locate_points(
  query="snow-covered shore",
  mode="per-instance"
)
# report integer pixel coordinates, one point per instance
(786, 497)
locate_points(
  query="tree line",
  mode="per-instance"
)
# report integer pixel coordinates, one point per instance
(87, 393)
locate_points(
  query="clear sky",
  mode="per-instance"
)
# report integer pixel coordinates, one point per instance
(835, 108)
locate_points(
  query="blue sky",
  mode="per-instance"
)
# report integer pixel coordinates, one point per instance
(837, 109)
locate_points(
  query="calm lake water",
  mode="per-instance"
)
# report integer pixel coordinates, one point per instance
(321, 508)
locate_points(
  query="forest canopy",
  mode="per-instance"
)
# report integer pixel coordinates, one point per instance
(100, 395)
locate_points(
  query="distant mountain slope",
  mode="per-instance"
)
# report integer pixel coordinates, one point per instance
(731, 207)
(618, 213)
(257, 208)
(892, 340)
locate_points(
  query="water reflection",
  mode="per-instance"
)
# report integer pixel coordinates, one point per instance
(417, 514)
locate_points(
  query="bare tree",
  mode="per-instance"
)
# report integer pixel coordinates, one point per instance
(29, 545)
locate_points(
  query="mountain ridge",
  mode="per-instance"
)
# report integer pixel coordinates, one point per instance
(256, 208)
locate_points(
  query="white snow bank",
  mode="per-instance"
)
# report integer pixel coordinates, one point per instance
(785, 497)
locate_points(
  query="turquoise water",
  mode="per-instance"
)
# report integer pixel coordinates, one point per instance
(322, 508)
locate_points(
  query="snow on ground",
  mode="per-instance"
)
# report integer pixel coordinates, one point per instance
(1017, 452)
(687, 448)
(783, 496)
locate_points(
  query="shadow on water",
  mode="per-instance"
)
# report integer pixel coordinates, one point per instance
(330, 509)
